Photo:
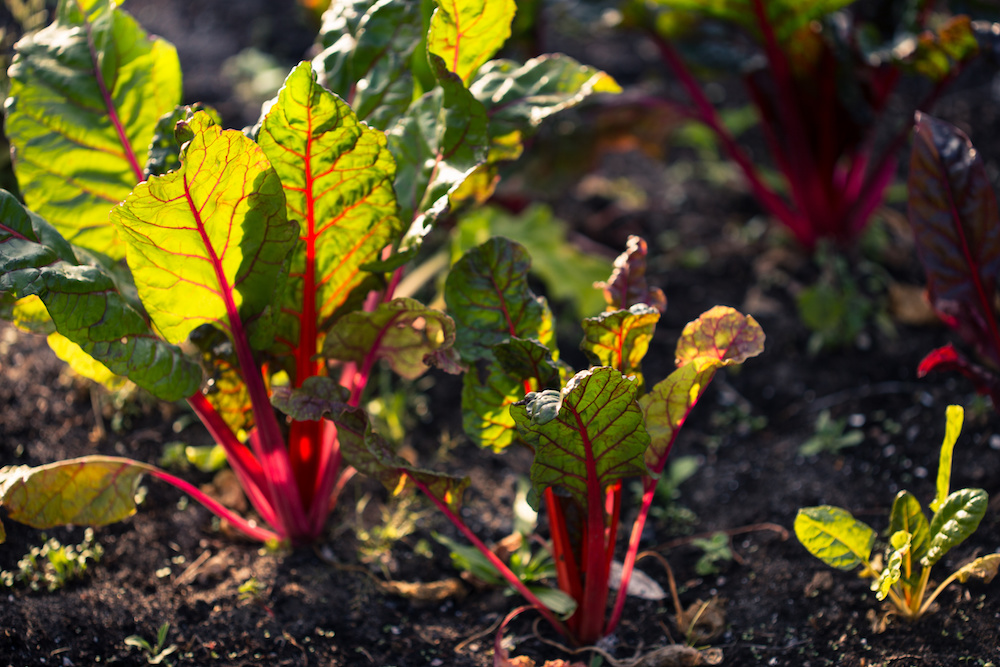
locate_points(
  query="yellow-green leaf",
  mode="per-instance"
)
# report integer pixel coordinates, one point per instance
(466, 33)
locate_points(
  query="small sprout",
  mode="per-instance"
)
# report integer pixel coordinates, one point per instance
(830, 436)
(915, 544)
(716, 551)
(155, 653)
(53, 565)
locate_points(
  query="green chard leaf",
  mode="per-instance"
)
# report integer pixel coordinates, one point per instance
(527, 358)
(208, 243)
(318, 397)
(720, 337)
(958, 517)
(82, 363)
(488, 297)
(337, 176)
(438, 143)
(165, 147)
(86, 94)
(373, 456)
(893, 570)
(585, 438)
(86, 306)
(225, 388)
(367, 54)
(620, 338)
(907, 516)
(466, 33)
(834, 536)
(955, 416)
(88, 491)
(406, 334)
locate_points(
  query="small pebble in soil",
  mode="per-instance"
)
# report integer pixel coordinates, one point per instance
(995, 441)
(920, 472)
(857, 420)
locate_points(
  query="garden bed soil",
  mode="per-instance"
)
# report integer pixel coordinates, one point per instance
(171, 563)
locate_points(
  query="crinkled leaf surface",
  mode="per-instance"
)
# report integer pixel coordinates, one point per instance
(466, 33)
(488, 296)
(318, 397)
(28, 314)
(620, 338)
(984, 567)
(86, 94)
(86, 306)
(367, 56)
(954, 216)
(208, 243)
(627, 285)
(372, 456)
(440, 141)
(720, 337)
(337, 176)
(908, 516)
(834, 536)
(587, 437)
(519, 97)
(488, 391)
(958, 518)
(524, 358)
(89, 491)
(409, 336)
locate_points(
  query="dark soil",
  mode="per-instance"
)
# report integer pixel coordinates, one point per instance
(171, 563)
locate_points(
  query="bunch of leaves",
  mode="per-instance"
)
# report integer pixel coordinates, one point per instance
(54, 564)
(834, 536)
(956, 229)
(590, 430)
(821, 77)
(243, 272)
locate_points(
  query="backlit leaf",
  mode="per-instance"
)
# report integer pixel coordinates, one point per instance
(208, 243)
(620, 338)
(466, 33)
(337, 176)
(225, 390)
(403, 332)
(721, 333)
(89, 491)
(834, 536)
(165, 147)
(82, 363)
(318, 397)
(627, 285)
(984, 567)
(907, 516)
(523, 358)
(86, 94)
(958, 518)
(585, 438)
(86, 306)
(488, 391)
(954, 216)
(955, 415)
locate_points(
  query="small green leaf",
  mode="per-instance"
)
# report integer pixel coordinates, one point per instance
(466, 33)
(86, 94)
(586, 438)
(208, 243)
(834, 536)
(318, 397)
(955, 416)
(562, 604)
(406, 334)
(958, 517)
(907, 516)
(620, 338)
(892, 572)
(88, 491)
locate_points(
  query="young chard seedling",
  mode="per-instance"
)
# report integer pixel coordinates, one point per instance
(915, 544)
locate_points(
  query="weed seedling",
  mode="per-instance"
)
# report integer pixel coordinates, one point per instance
(915, 544)
(156, 652)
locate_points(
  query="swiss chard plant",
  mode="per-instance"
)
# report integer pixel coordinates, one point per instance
(589, 431)
(956, 229)
(915, 545)
(248, 271)
(820, 76)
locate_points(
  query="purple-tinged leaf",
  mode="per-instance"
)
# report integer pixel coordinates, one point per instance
(720, 337)
(587, 437)
(466, 33)
(208, 243)
(627, 285)
(371, 455)
(86, 93)
(957, 231)
(488, 297)
(440, 141)
(86, 305)
(337, 176)
(366, 59)
(947, 358)
(318, 397)
(403, 332)
(620, 338)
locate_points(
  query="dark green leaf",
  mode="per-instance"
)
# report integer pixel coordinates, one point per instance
(958, 518)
